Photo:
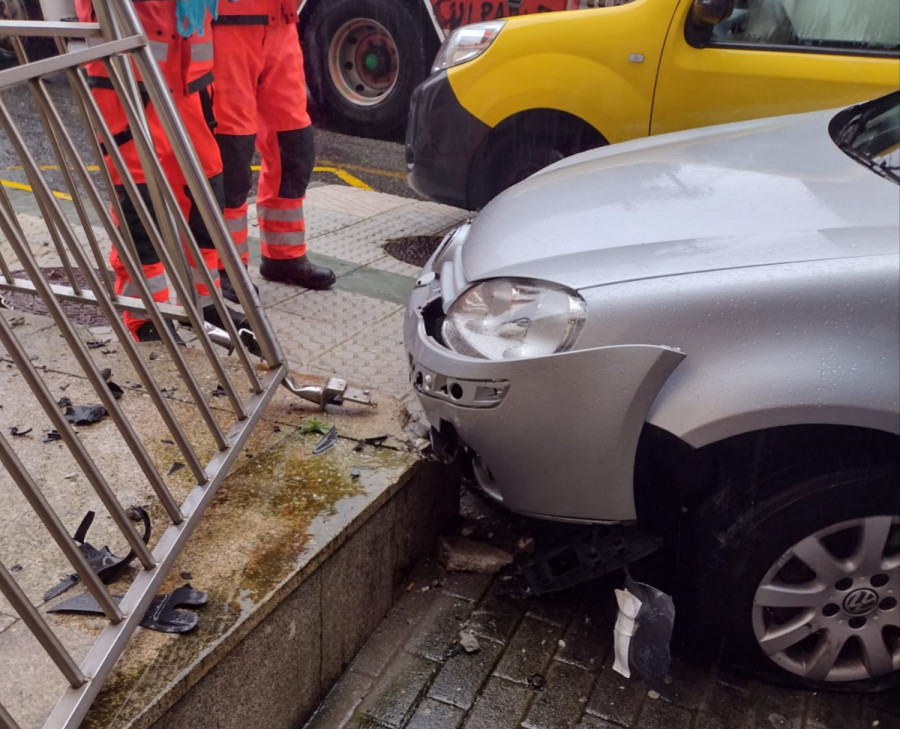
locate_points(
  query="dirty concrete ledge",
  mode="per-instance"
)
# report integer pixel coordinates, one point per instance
(272, 661)
(273, 667)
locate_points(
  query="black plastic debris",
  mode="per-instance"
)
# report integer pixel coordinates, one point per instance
(219, 391)
(328, 440)
(375, 440)
(643, 635)
(85, 414)
(107, 566)
(588, 553)
(161, 615)
(96, 343)
(50, 436)
(115, 389)
(175, 468)
(14, 431)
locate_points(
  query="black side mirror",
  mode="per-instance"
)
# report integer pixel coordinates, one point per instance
(711, 12)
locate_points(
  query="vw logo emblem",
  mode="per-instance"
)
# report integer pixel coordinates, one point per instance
(859, 602)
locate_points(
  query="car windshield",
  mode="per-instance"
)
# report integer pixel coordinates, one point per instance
(870, 134)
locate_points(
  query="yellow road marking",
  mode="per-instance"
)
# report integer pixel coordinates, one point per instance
(338, 172)
(27, 188)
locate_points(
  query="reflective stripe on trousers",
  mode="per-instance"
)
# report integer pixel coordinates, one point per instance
(282, 231)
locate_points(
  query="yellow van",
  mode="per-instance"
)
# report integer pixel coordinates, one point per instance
(507, 97)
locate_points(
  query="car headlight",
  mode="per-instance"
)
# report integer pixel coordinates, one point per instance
(513, 319)
(466, 43)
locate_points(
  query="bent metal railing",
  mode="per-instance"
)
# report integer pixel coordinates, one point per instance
(118, 41)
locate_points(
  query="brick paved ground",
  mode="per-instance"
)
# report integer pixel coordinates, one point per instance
(546, 663)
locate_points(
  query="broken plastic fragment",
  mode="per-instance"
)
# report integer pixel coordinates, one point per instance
(15, 431)
(643, 633)
(161, 615)
(107, 566)
(327, 441)
(85, 414)
(624, 630)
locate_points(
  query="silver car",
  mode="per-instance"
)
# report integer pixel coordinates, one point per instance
(698, 333)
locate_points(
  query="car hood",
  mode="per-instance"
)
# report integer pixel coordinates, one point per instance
(754, 193)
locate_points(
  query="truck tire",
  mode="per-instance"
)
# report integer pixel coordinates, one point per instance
(35, 47)
(363, 59)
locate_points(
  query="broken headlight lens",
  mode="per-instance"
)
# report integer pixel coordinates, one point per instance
(513, 319)
(466, 43)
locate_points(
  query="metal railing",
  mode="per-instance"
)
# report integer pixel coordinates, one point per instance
(119, 42)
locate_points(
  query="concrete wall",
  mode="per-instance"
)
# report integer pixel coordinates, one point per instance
(277, 675)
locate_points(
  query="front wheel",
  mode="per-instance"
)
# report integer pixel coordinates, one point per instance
(363, 60)
(808, 582)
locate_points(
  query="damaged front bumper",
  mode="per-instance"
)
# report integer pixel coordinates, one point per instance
(552, 437)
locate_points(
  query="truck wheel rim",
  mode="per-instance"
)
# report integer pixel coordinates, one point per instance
(827, 610)
(363, 62)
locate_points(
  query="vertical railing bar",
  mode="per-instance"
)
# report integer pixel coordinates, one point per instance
(4, 268)
(57, 530)
(122, 333)
(39, 628)
(197, 182)
(72, 707)
(102, 391)
(48, 204)
(64, 428)
(185, 296)
(64, 149)
(96, 122)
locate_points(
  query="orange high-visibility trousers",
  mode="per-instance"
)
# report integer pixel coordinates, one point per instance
(186, 65)
(259, 101)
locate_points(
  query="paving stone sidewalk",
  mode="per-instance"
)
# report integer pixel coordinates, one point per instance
(546, 663)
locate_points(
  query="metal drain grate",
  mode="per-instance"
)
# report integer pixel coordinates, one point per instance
(415, 249)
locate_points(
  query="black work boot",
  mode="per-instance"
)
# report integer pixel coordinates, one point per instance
(227, 289)
(296, 272)
(147, 332)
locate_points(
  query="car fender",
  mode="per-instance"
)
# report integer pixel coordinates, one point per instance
(599, 65)
(570, 423)
(799, 359)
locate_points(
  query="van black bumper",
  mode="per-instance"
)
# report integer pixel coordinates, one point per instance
(442, 139)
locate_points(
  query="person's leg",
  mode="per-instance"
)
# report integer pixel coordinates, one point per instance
(111, 109)
(238, 66)
(195, 109)
(285, 142)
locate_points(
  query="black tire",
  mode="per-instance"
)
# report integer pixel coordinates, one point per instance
(35, 47)
(520, 147)
(363, 59)
(801, 589)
